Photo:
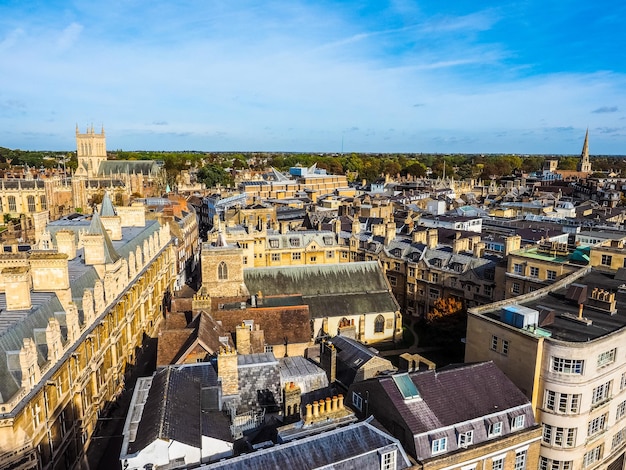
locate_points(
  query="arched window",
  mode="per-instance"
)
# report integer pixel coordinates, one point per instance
(222, 271)
(31, 203)
(379, 324)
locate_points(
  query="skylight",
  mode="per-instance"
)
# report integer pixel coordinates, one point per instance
(406, 386)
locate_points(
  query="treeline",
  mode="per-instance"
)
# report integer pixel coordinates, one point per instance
(218, 167)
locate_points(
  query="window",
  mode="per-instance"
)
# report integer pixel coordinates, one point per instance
(435, 277)
(518, 422)
(31, 203)
(296, 256)
(601, 393)
(295, 242)
(275, 256)
(273, 243)
(388, 461)
(534, 271)
(392, 281)
(549, 464)
(433, 293)
(620, 412)
(596, 425)
(551, 275)
(1, 207)
(222, 271)
(439, 445)
(505, 347)
(495, 429)
(379, 324)
(567, 366)
(520, 460)
(411, 272)
(245, 260)
(12, 205)
(559, 437)
(488, 290)
(561, 402)
(606, 358)
(592, 456)
(244, 245)
(494, 343)
(515, 288)
(357, 401)
(313, 259)
(619, 438)
(497, 463)
(466, 438)
(606, 260)
(269, 348)
(518, 268)
(622, 383)
(330, 254)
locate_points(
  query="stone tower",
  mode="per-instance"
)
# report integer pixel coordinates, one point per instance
(91, 151)
(584, 165)
(222, 270)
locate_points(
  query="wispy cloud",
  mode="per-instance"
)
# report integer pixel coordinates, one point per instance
(69, 36)
(605, 109)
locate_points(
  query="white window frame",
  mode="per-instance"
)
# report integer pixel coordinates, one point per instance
(518, 422)
(601, 393)
(534, 271)
(563, 365)
(606, 358)
(466, 438)
(439, 446)
(520, 460)
(495, 429)
(357, 401)
(551, 275)
(388, 460)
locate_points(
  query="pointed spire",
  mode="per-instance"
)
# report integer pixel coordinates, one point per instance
(107, 209)
(585, 152)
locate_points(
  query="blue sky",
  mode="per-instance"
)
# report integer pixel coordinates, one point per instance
(390, 76)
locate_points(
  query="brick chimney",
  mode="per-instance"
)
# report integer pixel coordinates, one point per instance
(227, 371)
(66, 243)
(17, 287)
(328, 360)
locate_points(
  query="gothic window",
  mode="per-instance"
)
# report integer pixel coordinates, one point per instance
(31, 203)
(379, 324)
(43, 202)
(222, 271)
(12, 205)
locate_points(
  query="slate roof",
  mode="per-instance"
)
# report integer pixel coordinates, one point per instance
(171, 411)
(337, 289)
(128, 167)
(96, 228)
(355, 446)
(451, 400)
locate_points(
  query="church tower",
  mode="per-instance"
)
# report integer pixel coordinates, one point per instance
(91, 151)
(584, 165)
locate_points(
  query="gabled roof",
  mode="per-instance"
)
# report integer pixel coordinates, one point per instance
(343, 289)
(358, 445)
(171, 411)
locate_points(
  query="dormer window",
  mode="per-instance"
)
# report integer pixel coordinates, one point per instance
(274, 243)
(295, 242)
(495, 429)
(436, 262)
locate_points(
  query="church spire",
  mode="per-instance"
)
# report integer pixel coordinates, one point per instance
(584, 165)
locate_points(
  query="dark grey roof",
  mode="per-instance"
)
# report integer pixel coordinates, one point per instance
(337, 289)
(566, 330)
(355, 446)
(351, 356)
(128, 167)
(172, 411)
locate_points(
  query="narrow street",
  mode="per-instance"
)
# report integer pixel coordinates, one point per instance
(104, 450)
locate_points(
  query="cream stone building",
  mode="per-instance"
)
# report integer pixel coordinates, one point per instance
(563, 346)
(74, 311)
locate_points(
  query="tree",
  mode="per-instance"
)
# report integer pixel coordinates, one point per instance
(212, 175)
(444, 308)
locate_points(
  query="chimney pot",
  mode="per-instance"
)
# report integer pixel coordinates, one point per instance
(340, 401)
(334, 404)
(316, 410)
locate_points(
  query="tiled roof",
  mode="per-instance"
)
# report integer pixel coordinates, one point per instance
(355, 446)
(172, 411)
